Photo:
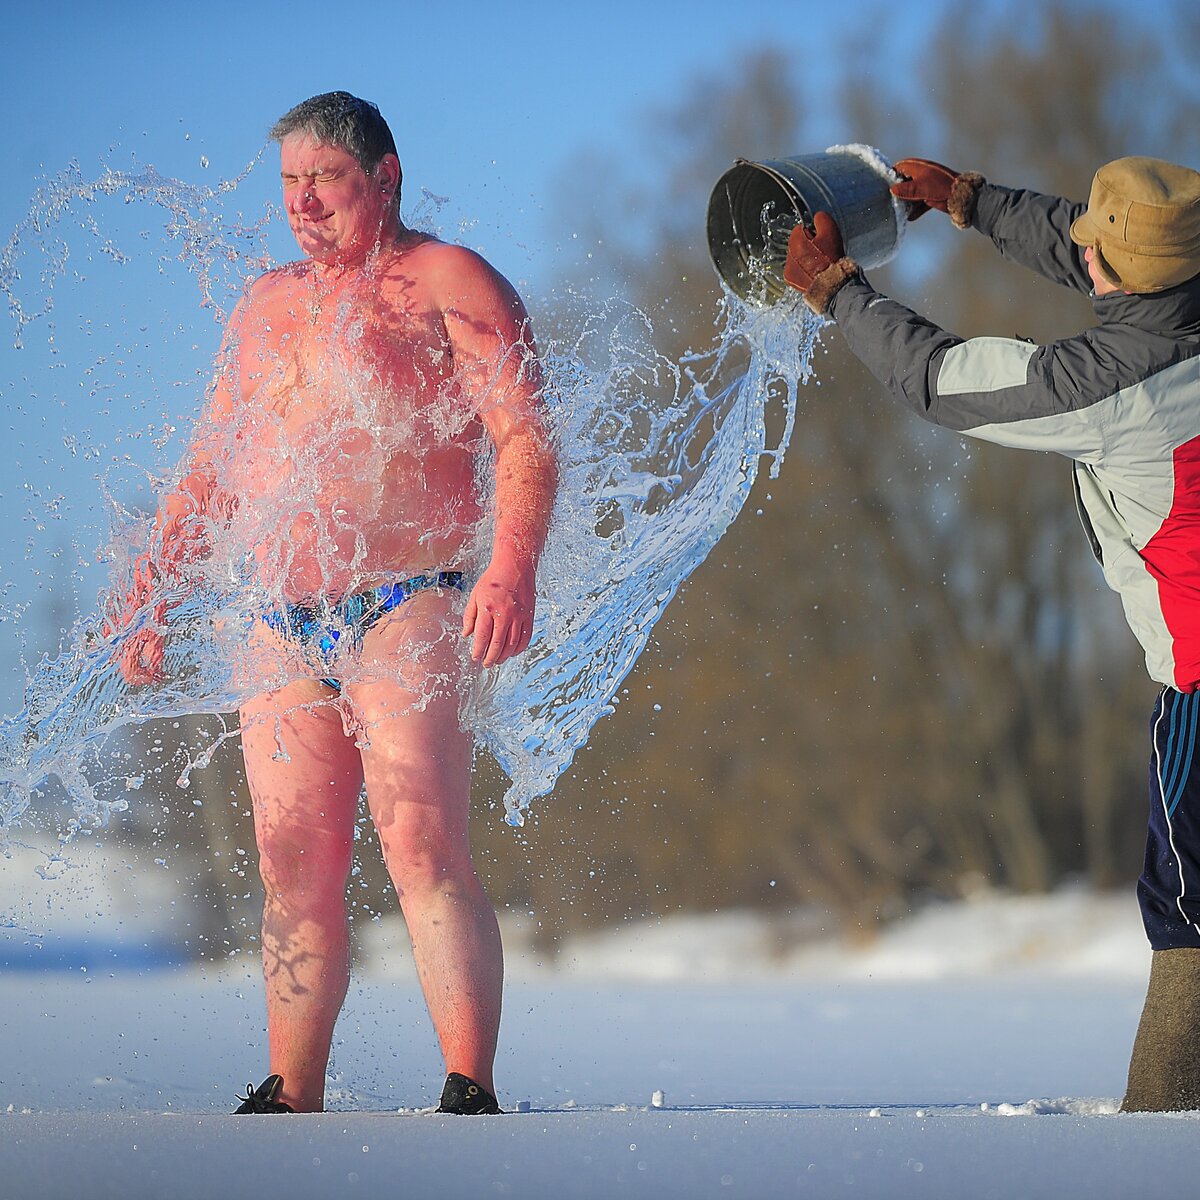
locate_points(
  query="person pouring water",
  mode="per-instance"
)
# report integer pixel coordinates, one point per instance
(1121, 400)
(363, 393)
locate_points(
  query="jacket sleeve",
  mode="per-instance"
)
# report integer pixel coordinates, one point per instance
(1000, 390)
(1034, 231)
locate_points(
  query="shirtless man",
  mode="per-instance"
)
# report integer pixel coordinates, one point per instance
(340, 447)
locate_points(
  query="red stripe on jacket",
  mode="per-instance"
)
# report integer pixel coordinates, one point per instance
(1172, 557)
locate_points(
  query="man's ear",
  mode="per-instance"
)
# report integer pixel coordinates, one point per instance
(387, 174)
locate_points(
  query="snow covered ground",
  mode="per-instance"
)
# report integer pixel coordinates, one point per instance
(976, 1050)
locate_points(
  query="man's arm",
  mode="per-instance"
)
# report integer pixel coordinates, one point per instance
(1028, 228)
(180, 535)
(1033, 230)
(1002, 390)
(496, 366)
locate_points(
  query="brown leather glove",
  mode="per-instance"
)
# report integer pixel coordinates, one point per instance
(816, 262)
(927, 184)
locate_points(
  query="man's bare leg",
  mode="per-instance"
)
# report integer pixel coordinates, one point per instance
(305, 777)
(417, 760)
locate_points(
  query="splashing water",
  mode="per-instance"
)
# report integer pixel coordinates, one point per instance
(647, 491)
(208, 243)
(656, 460)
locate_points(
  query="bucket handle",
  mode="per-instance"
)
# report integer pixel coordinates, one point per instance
(783, 181)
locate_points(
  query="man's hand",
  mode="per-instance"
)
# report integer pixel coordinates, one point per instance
(180, 536)
(927, 184)
(142, 657)
(499, 613)
(816, 263)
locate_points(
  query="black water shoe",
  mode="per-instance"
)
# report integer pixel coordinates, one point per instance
(261, 1099)
(466, 1098)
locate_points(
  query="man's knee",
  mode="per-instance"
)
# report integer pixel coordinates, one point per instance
(423, 864)
(312, 868)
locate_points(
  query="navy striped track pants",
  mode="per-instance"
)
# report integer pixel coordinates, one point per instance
(1169, 889)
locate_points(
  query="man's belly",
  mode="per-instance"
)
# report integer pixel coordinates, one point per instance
(347, 534)
(335, 562)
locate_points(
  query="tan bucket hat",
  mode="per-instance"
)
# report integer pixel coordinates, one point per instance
(1143, 223)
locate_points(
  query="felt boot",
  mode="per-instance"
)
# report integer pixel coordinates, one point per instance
(1164, 1070)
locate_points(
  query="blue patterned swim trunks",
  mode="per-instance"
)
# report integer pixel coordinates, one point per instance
(323, 625)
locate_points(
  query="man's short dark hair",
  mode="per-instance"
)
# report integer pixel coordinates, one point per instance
(342, 120)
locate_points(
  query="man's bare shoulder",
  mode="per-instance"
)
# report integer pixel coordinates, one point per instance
(273, 293)
(463, 281)
(278, 281)
(452, 271)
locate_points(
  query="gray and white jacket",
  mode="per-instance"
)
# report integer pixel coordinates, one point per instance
(1121, 400)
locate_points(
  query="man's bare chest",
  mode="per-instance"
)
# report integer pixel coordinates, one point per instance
(337, 351)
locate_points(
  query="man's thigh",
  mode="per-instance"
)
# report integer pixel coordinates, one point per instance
(405, 702)
(303, 770)
(264, 660)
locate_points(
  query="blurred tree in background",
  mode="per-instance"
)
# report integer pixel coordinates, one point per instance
(900, 673)
(906, 676)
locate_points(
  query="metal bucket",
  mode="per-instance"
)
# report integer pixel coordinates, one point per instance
(755, 204)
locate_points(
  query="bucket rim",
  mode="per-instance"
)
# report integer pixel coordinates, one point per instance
(767, 168)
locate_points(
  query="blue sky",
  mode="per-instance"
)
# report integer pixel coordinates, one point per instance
(489, 104)
(487, 101)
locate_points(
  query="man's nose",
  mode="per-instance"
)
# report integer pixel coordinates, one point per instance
(303, 197)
